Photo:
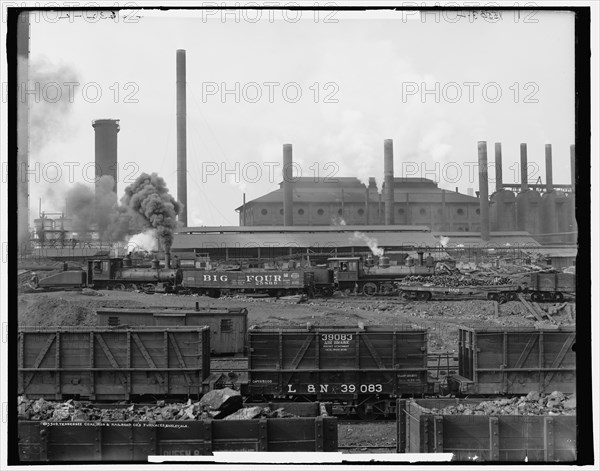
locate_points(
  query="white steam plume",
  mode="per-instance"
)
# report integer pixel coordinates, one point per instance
(371, 242)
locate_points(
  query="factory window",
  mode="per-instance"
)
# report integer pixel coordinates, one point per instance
(263, 212)
(460, 211)
(281, 211)
(300, 211)
(477, 211)
(422, 212)
(401, 211)
(340, 211)
(320, 212)
(361, 212)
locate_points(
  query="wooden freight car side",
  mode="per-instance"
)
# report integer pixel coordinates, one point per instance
(245, 280)
(107, 364)
(337, 362)
(228, 327)
(470, 438)
(515, 361)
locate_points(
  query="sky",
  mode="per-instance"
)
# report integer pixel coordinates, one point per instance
(332, 85)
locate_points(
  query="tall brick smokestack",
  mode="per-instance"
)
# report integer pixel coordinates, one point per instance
(181, 137)
(524, 181)
(288, 199)
(573, 166)
(549, 186)
(23, 130)
(484, 204)
(388, 180)
(105, 146)
(498, 156)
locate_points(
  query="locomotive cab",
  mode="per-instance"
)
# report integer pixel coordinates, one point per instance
(102, 270)
(345, 269)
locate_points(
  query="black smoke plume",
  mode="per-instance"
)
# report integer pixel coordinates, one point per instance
(148, 202)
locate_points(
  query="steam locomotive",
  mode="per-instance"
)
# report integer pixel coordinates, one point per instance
(114, 273)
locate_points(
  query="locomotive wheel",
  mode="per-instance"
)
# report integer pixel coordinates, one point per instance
(369, 289)
(133, 287)
(387, 288)
(119, 287)
(403, 295)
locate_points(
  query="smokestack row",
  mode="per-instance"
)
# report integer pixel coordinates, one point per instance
(181, 136)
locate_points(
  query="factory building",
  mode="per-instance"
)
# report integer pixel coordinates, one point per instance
(324, 202)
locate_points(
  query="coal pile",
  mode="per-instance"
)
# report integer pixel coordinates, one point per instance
(534, 403)
(222, 405)
(453, 281)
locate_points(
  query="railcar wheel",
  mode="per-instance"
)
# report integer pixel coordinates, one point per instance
(403, 294)
(423, 296)
(387, 288)
(501, 299)
(492, 297)
(369, 289)
(512, 296)
(558, 297)
(366, 411)
(535, 297)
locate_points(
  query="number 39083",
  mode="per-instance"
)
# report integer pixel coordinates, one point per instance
(363, 388)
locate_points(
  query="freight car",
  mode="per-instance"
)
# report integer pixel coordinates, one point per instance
(501, 293)
(271, 282)
(361, 369)
(228, 326)
(113, 273)
(514, 361)
(100, 363)
(548, 286)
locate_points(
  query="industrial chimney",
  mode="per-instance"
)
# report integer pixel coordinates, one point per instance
(106, 149)
(524, 181)
(181, 137)
(498, 160)
(288, 175)
(573, 166)
(388, 180)
(549, 186)
(23, 130)
(484, 204)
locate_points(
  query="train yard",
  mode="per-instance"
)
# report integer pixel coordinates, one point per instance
(444, 324)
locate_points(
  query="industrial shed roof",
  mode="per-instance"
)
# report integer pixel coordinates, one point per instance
(303, 239)
(517, 239)
(308, 229)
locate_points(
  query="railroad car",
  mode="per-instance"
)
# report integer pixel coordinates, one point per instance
(362, 369)
(271, 282)
(228, 326)
(101, 363)
(548, 286)
(500, 293)
(515, 361)
(113, 273)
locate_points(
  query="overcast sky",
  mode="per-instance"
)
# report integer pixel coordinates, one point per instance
(361, 78)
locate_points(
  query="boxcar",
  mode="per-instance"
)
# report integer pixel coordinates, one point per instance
(550, 286)
(362, 368)
(228, 326)
(276, 283)
(126, 441)
(482, 437)
(515, 361)
(106, 364)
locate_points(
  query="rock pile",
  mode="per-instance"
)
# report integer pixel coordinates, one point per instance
(454, 281)
(534, 403)
(219, 404)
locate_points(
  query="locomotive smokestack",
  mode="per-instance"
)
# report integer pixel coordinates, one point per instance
(524, 182)
(167, 259)
(498, 155)
(288, 201)
(484, 204)
(549, 186)
(181, 137)
(388, 179)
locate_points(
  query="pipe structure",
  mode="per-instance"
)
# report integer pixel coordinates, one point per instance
(288, 175)
(524, 181)
(498, 158)
(484, 204)
(548, 150)
(573, 166)
(388, 180)
(181, 136)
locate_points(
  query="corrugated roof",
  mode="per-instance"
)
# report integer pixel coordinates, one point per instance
(309, 229)
(303, 239)
(497, 239)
